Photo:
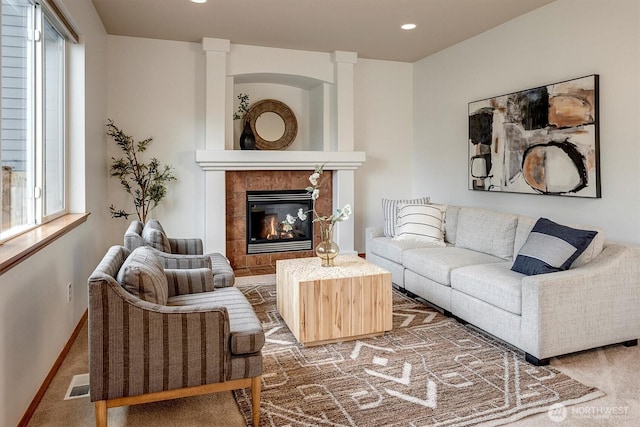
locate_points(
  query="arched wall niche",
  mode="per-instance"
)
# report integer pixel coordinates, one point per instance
(309, 99)
(244, 60)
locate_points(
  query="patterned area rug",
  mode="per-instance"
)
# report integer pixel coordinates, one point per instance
(429, 370)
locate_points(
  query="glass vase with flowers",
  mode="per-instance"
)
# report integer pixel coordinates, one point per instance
(327, 249)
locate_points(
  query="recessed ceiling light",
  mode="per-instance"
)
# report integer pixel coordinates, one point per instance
(408, 26)
(199, 1)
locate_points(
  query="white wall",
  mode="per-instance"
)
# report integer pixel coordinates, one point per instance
(383, 128)
(156, 88)
(35, 319)
(563, 40)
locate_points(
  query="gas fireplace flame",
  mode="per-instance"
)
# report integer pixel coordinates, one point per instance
(272, 233)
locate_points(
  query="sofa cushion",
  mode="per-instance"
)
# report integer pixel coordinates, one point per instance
(246, 331)
(495, 284)
(390, 212)
(525, 225)
(391, 249)
(437, 263)
(486, 231)
(421, 223)
(551, 247)
(156, 239)
(142, 275)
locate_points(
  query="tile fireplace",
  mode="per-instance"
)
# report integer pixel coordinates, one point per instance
(244, 185)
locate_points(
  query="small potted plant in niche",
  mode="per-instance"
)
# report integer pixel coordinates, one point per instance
(247, 138)
(145, 182)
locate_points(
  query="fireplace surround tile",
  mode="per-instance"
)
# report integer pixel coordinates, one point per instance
(237, 183)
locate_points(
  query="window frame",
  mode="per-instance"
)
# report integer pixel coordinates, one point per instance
(41, 11)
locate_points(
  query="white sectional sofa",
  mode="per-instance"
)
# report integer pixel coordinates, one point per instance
(594, 303)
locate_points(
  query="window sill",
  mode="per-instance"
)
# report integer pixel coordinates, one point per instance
(16, 250)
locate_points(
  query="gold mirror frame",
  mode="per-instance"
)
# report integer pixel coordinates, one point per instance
(282, 110)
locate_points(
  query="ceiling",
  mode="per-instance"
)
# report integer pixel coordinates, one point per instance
(369, 27)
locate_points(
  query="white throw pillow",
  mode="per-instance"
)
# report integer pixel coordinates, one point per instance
(421, 223)
(390, 212)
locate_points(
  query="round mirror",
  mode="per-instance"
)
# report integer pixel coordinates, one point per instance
(270, 126)
(273, 124)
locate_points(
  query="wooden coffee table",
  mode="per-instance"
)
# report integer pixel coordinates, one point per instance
(330, 304)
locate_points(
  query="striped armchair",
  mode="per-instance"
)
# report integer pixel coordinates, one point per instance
(182, 341)
(152, 234)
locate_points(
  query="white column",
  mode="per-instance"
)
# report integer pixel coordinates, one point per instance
(343, 193)
(344, 65)
(215, 51)
(215, 131)
(215, 212)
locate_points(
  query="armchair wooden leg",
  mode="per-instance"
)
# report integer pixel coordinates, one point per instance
(256, 387)
(101, 413)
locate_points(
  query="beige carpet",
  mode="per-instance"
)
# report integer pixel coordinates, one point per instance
(429, 366)
(614, 369)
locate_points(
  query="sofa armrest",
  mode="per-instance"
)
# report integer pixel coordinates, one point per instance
(371, 233)
(584, 307)
(189, 281)
(136, 347)
(186, 246)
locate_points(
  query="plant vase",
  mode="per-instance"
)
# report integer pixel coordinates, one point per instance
(327, 250)
(247, 138)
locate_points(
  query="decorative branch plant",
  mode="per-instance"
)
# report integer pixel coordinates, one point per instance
(243, 107)
(146, 183)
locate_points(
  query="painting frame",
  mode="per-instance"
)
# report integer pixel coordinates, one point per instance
(544, 140)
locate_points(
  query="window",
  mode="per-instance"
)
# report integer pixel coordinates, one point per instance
(32, 92)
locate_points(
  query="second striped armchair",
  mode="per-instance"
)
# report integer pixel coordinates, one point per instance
(191, 250)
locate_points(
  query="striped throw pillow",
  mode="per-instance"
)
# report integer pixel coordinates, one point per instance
(390, 212)
(551, 247)
(421, 223)
(142, 275)
(156, 239)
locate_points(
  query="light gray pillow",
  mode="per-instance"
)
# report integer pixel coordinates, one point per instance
(155, 224)
(156, 239)
(142, 275)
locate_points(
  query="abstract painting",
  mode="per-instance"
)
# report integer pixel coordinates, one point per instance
(543, 140)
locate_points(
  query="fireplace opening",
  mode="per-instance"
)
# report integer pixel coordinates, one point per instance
(266, 221)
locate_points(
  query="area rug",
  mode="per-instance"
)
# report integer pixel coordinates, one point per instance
(429, 370)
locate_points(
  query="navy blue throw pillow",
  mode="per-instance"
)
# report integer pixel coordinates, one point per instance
(551, 247)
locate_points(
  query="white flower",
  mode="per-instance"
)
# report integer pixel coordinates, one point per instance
(286, 227)
(315, 194)
(341, 214)
(290, 219)
(346, 212)
(313, 179)
(301, 214)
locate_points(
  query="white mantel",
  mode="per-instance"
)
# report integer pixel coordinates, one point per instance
(328, 78)
(235, 160)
